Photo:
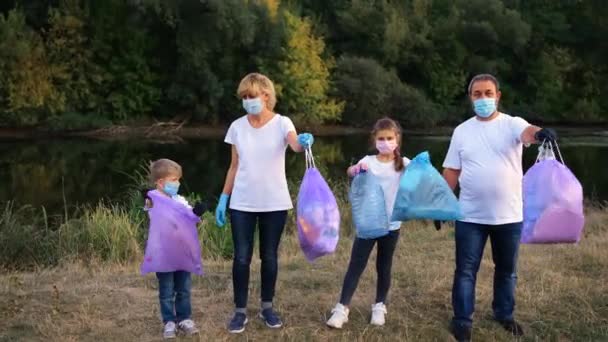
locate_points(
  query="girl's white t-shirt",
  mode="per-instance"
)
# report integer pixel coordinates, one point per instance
(260, 184)
(388, 178)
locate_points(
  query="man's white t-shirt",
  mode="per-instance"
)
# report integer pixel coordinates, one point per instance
(388, 178)
(488, 153)
(260, 184)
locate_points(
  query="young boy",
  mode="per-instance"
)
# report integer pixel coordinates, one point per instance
(172, 249)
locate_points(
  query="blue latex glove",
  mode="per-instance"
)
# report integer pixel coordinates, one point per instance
(305, 140)
(220, 211)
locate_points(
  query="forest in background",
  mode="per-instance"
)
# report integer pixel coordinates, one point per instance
(80, 64)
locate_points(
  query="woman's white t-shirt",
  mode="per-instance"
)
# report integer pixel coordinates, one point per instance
(260, 184)
(388, 178)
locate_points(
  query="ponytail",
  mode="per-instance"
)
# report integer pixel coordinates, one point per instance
(398, 160)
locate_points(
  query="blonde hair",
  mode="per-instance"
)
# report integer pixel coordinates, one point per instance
(255, 84)
(162, 168)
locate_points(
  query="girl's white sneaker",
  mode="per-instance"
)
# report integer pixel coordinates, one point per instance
(378, 312)
(339, 316)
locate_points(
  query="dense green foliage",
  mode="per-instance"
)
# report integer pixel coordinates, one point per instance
(84, 63)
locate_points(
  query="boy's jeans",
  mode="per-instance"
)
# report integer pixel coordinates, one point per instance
(174, 295)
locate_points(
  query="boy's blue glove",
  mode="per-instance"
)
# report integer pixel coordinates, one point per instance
(305, 140)
(220, 211)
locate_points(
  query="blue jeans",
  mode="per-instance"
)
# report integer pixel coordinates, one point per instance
(470, 241)
(174, 295)
(271, 225)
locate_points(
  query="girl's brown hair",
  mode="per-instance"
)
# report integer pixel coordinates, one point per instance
(390, 124)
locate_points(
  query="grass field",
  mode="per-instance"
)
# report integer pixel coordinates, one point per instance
(562, 295)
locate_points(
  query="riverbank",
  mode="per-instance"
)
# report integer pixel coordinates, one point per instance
(172, 130)
(562, 294)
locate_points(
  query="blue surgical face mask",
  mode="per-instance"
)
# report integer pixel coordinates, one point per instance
(253, 106)
(170, 188)
(484, 107)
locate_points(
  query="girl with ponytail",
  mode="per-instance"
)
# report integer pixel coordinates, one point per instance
(387, 166)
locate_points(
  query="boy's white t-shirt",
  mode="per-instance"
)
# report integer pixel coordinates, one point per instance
(488, 153)
(260, 184)
(388, 178)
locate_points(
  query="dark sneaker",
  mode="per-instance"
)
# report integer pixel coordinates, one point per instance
(512, 327)
(270, 318)
(237, 323)
(461, 332)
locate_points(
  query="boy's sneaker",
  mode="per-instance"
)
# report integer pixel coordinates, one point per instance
(188, 327)
(512, 326)
(461, 332)
(378, 312)
(271, 318)
(339, 316)
(237, 323)
(169, 330)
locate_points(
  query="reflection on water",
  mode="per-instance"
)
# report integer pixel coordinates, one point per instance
(42, 172)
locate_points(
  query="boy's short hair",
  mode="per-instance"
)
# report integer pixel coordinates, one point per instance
(162, 168)
(256, 83)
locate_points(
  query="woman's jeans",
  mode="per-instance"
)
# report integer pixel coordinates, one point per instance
(271, 226)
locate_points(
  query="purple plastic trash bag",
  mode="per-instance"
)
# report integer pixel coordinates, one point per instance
(318, 217)
(553, 201)
(173, 238)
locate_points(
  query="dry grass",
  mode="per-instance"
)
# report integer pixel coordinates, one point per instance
(562, 296)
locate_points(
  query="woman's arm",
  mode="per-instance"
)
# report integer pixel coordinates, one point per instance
(292, 140)
(231, 174)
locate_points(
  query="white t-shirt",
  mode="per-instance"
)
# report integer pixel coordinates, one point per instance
(488, 153)
(260, 184)
(389, 181)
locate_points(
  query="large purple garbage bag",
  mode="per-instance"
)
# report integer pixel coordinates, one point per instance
(318, 217)
(553, 203)
(173, 238)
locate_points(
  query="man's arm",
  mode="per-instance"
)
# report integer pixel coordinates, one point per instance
(451, 177)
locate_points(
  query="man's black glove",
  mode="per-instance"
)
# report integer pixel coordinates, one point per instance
(200, 208)
(545, 134)
(437, 224)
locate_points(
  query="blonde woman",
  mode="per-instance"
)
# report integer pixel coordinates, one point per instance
(257, 187)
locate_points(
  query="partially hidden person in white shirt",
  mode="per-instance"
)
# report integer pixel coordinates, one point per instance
(257, 185)
(387, 166)
(485, 160)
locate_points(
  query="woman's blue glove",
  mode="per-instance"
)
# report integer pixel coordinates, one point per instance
(220, 211)
(305, 140)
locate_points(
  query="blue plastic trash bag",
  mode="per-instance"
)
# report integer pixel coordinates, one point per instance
(368, 206)
(318, 217)
(173, 243)
(424, 194)
(553, 201)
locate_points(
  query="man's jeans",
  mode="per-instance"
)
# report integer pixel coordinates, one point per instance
(470, 242)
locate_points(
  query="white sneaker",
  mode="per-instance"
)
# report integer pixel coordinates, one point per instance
(339, 316)
(378, 312)
(188, 327)
(169, 331)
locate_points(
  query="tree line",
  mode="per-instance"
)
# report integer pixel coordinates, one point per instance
(75, 64)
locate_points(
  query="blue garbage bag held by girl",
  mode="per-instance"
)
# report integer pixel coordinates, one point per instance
(424, 194)
(368, 206)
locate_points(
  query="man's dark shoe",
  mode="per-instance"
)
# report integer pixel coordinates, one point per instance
(512, 327)
(461, 332)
